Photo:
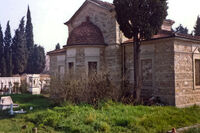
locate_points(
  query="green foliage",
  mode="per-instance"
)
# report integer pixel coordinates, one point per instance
(57, 46)
(26, 101)
(19, 49)
(37, 61)
(143, 17)
(181, 29)
(29, 31)
(19, 55)
(3, 66)
(116, 117)
(97, 87)
(101, 127)
(139, 20)
(108, 117)
(29, 41)
(197, 27)
(2, 58)
(8, 50)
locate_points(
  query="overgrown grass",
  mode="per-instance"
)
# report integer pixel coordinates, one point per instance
(106, 117)
(193, 130)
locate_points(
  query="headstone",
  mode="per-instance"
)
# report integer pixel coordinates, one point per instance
(33, 81)
(5, 102)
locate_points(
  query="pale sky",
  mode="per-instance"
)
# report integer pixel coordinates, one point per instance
(48, 17)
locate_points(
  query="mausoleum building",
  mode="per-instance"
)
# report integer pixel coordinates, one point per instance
(170, 62)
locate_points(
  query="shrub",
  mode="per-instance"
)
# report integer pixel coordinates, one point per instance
(102, 127)
(89, 90)
(90, 118)
(122, 122)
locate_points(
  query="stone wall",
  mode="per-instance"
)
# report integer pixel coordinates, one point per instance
(99, 16)
(6, 82)
(53, 64)
(113, 65)
(157, 69)
(187, 93)
(164, 71)
(81, 55)
(57, 62)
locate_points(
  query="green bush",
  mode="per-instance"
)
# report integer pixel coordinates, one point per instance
(102, 127)
(122, 122)
(82, 90)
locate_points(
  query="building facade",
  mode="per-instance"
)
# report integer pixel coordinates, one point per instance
(170, 62)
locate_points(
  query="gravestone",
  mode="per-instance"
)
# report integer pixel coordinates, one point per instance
(5, 102)
(34, 83)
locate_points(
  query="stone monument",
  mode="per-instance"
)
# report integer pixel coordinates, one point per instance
(6, 102)
(34, 83)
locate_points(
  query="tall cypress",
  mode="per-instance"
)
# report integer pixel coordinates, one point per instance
(197, 27)
(139, 20)
(39, 59)
(2, 58)
(29, 39)
(29, 31)
(7, 50)
(19, 49)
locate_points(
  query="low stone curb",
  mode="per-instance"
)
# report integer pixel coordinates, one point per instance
(181, 130)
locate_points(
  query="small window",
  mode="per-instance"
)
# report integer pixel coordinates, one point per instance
(92, 68)
(197, 72)
(71, 68)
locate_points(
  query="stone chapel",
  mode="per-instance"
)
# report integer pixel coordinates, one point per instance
(170, 62)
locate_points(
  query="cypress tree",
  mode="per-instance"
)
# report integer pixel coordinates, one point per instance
(2, 58)
(7, 50)
(29, 40)
(29, 31)
(181, 29)
(38, 59)
(19, 49)
(197, 27)
(139, 20)
(57, 46)
(10, 72)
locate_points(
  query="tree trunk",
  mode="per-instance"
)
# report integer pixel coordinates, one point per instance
(136, 55)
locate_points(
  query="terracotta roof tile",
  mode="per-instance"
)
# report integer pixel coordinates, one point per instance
(187, 36)
(172, 34)
(86, 34)
(59, 51)
(161, 34)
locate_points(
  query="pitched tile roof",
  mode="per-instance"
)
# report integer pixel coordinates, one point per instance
(105, 5)
(167, 34)
(58, 51)
(161, 34)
